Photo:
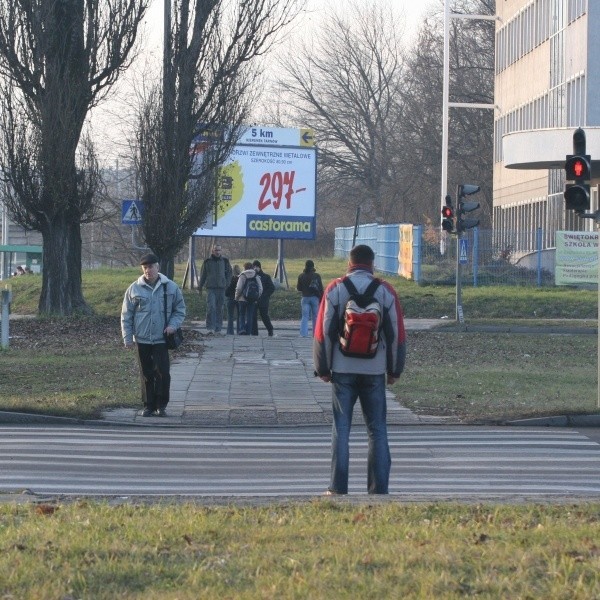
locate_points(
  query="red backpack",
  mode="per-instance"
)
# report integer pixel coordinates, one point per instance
(361, 321)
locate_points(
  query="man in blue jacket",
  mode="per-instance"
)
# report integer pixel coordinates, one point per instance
(143, 326)
(359, 373)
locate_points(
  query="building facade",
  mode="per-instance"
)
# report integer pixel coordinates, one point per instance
(547, 84)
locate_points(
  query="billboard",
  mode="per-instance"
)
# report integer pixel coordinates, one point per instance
(267, 188)
(576, 258)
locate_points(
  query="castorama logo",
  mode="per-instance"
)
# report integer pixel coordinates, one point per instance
(283, 227)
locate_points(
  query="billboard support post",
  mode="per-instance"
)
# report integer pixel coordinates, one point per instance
(280, 272)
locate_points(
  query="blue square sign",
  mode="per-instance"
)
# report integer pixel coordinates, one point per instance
(463, 251)
(131, 212)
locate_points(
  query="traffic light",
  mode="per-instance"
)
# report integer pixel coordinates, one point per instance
(464, 207)
(577, 194)
(448, 216)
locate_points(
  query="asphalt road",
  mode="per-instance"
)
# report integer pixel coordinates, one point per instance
(429, 463)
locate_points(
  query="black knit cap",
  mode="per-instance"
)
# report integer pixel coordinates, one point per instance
(149, 259)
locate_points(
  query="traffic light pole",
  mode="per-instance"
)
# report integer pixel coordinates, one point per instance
(460, 317)
(446, 104)
(578, 175)
(459, 311)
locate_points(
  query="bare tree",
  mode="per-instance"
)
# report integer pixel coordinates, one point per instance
(346, 85)
(205, 98)
(58, 59)
(376, 108)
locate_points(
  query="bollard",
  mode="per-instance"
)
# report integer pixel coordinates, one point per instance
(6, 300)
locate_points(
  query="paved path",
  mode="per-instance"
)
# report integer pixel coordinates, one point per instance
(255, 381)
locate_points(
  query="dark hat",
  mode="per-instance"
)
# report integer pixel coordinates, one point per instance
(256, 263)
(149, 259)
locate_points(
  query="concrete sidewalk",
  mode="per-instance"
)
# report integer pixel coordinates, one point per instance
(255, 381)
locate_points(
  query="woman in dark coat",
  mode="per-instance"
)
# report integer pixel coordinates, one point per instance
(311, 286)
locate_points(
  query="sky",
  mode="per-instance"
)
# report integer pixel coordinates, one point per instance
(108, 121)
(413, 10)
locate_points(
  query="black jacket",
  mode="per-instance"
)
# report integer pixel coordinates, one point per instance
(268, 286)
(305, 279)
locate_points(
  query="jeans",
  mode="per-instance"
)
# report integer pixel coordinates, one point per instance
(155, 374)
(310, 308)
(233, 316)
(247, 312)
(370, 389)
(215, 298)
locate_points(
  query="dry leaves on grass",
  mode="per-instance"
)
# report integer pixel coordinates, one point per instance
(56, 334)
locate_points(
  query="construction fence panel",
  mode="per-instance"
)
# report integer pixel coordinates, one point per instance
(483, 260)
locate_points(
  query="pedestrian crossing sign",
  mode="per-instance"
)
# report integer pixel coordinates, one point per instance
(131, 212)
(463, 252)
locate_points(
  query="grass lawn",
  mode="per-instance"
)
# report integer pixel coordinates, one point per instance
(313, 550)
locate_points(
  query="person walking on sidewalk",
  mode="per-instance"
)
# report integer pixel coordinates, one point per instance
(263, 302)
(214, 276)
(247, 293)
(311, 286)
(359, 370)
(143, 326)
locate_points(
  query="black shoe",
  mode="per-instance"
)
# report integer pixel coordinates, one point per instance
(147, 412)
(161, 412)
(271, 333)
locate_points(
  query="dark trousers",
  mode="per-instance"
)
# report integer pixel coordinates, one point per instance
(233, 316)
(263, 310)
(155, 374)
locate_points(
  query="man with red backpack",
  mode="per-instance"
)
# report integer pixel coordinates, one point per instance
(359, 342)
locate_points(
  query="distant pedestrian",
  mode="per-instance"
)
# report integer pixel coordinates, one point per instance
(360, 338)
(311, 286)
(247, 293)
(233, 310)
(143, 326)
(214, 276)
(263, 302)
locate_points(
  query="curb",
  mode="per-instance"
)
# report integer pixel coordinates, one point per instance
(558, 421)
(25, 418)
(515, 329)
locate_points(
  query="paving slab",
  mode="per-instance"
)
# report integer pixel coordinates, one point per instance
(254, 380)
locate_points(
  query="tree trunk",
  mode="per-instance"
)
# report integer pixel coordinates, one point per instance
(61, 282)
(167, 266)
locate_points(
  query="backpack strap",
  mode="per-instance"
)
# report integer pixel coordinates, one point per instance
(165, 302)
(354, 292)
(372, 287)
(350, 286)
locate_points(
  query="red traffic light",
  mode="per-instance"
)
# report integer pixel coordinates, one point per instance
(577, 167)
(447, 212)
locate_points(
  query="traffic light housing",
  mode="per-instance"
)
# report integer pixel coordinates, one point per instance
(448, 216)
(578, 170)
(463, 223)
